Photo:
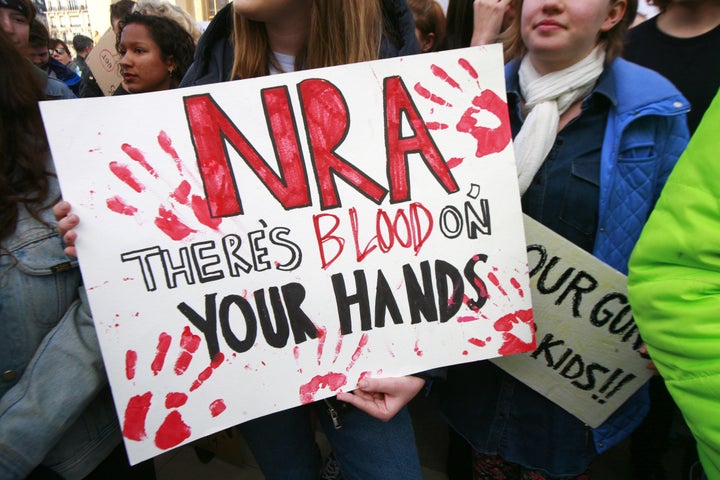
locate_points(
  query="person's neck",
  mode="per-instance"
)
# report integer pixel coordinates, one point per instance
(289, 35)
(689, 19)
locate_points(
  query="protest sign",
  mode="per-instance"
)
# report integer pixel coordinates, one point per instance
(255, 245)
(586, 359)
(103, 62)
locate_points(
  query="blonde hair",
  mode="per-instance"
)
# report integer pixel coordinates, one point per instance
(163, 8)
(340, 32)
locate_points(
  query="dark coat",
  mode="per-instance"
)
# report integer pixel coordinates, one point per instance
(214, 53)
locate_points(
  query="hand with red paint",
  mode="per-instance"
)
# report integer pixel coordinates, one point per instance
(490, 18)
(67, 222)
(383, 398)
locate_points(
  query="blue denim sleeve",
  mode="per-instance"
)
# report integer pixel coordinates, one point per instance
(63, 377)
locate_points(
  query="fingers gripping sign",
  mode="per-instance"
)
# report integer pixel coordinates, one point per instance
(383, 398)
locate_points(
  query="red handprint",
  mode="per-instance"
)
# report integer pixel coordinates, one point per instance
(331, 380)
(175, 226)
(486, 104)
(515, 327)
(173, 430)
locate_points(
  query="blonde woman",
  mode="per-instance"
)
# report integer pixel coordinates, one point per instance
(252, 38)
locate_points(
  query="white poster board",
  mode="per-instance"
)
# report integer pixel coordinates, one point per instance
(256, 245)
(586, 359)
(103, 61)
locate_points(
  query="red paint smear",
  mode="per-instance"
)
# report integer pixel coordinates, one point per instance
(358, 351)
(131, 357)
(202, 212)
(364, 375)
(118, 205)
(511, 343)
(171, 226)
(135, 415)
(166, 144)
(161, 352)
(182, 192)
(443, 75)
(465, 352)
(172, 432)
(331, 380)
(468, 68)
(489, 140)
(189, 343)
(175, 400)
(496, 282)
(322, 336)
(205, 374)
(477, 342)
(516, 285)
(338, 347)
(296, 352)
(454, 162)
(467, 318)
(424, 92)
(217, 407)
(137, 155)
(417, 350)
(123, 173)
(436, 126)
(507, 322)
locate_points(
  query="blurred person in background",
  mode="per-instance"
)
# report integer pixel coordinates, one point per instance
(39, 53)
(83, 46)
(155, 52)
(15, 19)
(429, 23)
(60, 52)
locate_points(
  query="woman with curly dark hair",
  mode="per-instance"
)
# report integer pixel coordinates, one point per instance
(156, 52)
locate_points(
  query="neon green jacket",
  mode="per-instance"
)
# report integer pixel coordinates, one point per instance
(674, 286)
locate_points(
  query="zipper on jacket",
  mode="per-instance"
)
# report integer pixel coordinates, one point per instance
(334, 415)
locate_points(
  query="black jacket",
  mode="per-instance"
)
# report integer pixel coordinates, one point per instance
(214, 53)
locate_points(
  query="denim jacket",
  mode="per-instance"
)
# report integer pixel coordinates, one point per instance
(55, 407)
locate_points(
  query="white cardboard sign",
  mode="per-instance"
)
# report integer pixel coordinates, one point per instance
(255, 245)
(586, 359)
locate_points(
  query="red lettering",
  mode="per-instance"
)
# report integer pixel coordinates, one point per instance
(327, 122)
(210, 128)
(397, 104)
(328, 236)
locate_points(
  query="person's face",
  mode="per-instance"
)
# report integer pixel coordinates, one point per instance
(16, 26)
(60, 54)
(141, 65)
(559, 33)
(273, 11)
(39, 56)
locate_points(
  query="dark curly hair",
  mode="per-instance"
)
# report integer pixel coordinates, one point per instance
(23, 145)
(176, 44)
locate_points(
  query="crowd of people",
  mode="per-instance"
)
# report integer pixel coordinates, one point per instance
(602, 108)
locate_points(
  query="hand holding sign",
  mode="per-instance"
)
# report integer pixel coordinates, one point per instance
(383, 397)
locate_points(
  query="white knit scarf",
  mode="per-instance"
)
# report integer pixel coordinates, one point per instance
(546, 98)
